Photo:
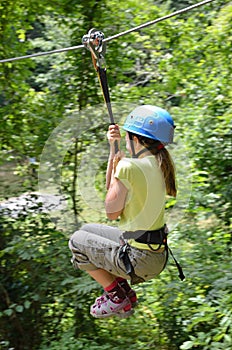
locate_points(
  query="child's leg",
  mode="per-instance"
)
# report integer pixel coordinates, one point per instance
(103, 277)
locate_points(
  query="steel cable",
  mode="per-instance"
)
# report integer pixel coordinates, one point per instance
(113, 37)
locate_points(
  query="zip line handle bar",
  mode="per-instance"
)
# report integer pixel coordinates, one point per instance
(93, 41)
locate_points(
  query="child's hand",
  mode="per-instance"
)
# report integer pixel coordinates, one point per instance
(113, 133)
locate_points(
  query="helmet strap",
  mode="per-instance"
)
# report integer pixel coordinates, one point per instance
(141, 152)
(146, 149)
(132, 145)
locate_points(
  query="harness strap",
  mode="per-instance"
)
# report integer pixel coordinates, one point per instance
(180, 270)
(104, 86)
(123, 255)
(155, 237)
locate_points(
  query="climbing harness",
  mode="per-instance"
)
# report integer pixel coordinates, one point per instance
(157, 20)
(148, 237)
(93, 41)
(160, 237)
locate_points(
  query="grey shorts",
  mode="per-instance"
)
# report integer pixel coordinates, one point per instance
(97, 246)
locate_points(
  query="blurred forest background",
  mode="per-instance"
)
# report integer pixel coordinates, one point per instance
(182, 64)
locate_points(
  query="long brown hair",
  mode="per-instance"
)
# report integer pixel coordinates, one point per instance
(164, 160)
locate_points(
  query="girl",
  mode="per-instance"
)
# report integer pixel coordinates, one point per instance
(136, 192)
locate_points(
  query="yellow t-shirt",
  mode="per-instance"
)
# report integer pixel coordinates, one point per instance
(145, 202)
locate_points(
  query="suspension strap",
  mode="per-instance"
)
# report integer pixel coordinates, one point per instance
(93, 41)
(124, 256)
(179, 268)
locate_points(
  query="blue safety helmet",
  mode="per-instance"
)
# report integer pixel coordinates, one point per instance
(152, 122)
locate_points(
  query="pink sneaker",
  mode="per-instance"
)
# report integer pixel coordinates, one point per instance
(108, 308)
(131, 296)
(102, 298)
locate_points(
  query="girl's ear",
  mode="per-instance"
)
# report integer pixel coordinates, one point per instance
(135, 139)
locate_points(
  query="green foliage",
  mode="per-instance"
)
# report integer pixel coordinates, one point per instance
(36, 275)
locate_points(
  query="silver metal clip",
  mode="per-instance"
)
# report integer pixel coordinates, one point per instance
(93, 41)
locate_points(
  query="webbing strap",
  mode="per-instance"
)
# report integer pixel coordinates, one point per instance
(123, 255)
(104, 85)
(105, 90)
(93, 41)
(181, 274)
(155, 237)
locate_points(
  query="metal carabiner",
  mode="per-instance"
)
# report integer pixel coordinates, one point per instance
(94, 42)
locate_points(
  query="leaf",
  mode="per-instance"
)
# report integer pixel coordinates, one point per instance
(19, 308)
(187, 345)
(27, 304)
(8, 312)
